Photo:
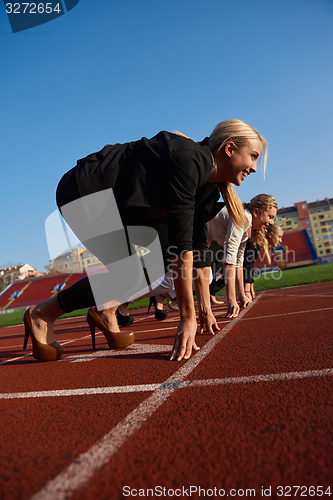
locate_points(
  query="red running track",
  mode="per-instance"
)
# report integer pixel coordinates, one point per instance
(249, 415)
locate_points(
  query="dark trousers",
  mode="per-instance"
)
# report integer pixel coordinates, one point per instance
(217, 267)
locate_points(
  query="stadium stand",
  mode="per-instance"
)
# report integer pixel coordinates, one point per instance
(297, 250)
(27, 293)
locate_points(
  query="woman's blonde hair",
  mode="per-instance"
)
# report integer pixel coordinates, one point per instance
(262, 202)
(239, 133)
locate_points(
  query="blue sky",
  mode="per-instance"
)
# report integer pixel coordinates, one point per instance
(110, 72)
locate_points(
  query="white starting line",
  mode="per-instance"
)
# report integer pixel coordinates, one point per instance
(166, 386)
(79, 472)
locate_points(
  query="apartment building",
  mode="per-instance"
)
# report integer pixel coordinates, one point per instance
(316, 217)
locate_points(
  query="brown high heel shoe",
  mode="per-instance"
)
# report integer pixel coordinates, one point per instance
(115, 340)
(42, 352)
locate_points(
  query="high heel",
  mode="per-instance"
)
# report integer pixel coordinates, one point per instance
(124, 320)
(115, 340)
(159, 314)
(172, 304)
(42, 352)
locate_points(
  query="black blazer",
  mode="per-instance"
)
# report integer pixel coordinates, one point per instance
(250, 256)
(167, 172)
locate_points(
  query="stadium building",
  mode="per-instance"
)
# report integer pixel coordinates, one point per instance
(315, 219)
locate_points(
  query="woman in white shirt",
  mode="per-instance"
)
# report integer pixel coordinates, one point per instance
(260, 212)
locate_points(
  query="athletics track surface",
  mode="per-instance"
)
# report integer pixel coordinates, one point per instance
(251, 410)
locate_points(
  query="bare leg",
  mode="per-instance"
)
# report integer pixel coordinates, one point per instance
(123, 309)
(109, 318)
(214, 300)
(43, 317)
(159, 302)
(172, 304)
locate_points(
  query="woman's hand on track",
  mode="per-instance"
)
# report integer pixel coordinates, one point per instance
(232, 309)
(184, 340)
(208, 322)
(244, 300)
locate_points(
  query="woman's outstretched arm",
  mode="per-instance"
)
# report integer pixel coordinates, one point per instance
(207, 320)
(185, 335)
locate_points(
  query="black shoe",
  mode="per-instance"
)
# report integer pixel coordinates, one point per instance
(124, 320)
(159, 313)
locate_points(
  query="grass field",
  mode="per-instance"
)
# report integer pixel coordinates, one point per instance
(269, 281)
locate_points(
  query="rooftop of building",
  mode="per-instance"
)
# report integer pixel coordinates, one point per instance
(287, 210)
(326, 203)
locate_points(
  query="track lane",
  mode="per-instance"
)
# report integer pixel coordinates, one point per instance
(216, 412)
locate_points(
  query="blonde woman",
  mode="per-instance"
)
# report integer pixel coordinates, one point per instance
(170, 176)
(273, 238)
(259, 213)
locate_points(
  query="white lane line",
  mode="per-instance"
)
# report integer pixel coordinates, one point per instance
(82, 392)
(318, 283)
(269, 377)
(300, 296)
(261, 378)
(285, 314)
(15, 359)
(85, 466)
(63, 342)
(236, 320)
(131, 350)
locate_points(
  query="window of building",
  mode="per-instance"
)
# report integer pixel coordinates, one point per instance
(321, 216)
(288, 222)
(314, 218)
(318, 238)
(321, 252)
(324, 230)
(317, 232)
(304, 206)
(325, 237)
(322, 223)
(328, 251)
(320, 245)
(315, 225)
(328, 215)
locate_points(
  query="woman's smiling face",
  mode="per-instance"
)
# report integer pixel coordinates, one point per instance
(235, 164)
(261, 220)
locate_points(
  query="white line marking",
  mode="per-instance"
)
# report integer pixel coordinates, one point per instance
(15, 359)
(285, 314)
(232, 321)
(63, 342)
(286, 295)
(82, 392)
(133, 349)
(270, 377)
(85, 466)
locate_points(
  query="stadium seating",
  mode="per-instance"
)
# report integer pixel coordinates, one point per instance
(35, 291)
